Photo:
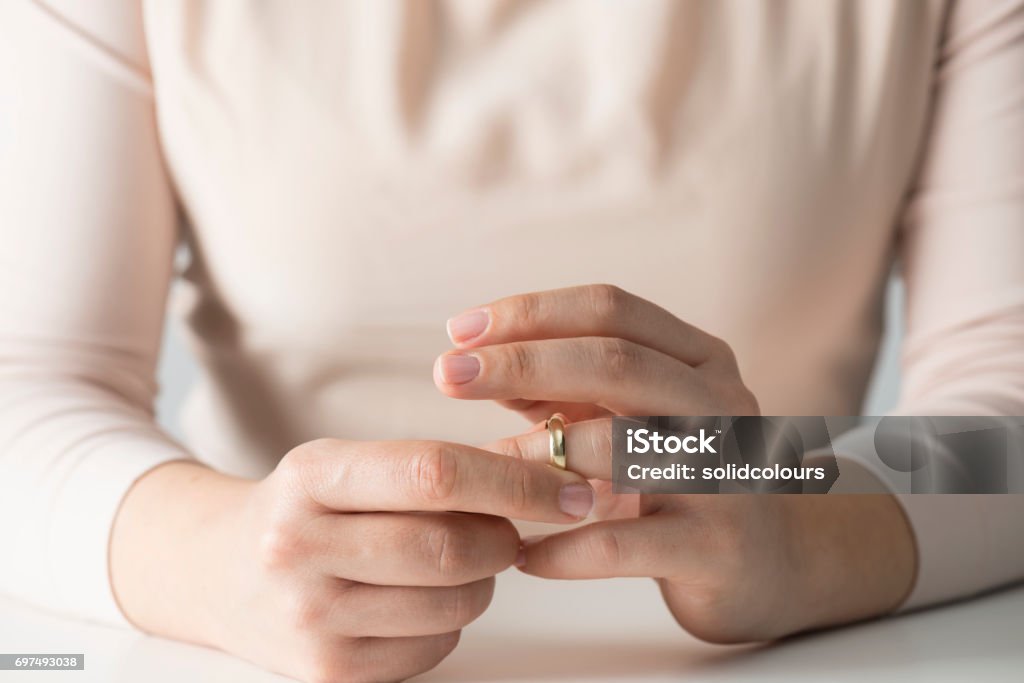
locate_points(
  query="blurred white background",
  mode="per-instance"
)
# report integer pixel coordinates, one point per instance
(177, 370)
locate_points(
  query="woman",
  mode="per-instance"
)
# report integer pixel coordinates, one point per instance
(348, 175)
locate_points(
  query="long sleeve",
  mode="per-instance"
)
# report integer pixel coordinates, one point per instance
(87, 228)
(962, 254)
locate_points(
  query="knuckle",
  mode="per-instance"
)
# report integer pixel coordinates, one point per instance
(518, 484)
(726, 351)
(735, 397)
(321, 445)
(519, 362)
(468, 602)
(281, 546)
(511, 448)
(435, 472)
(619, 357)
(607, 549)
(449, 548)
(601, 437)
(458, 608)
(720, 351)
(607, 301)
(301, 470)
(306, 611)
(747, 401)
(717, 344)
(525, 309)
(309, 452)
(294, 463)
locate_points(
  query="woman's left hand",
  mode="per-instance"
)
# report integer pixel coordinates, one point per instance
(731, 567)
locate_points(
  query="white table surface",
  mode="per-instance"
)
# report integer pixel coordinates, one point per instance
(608, 631)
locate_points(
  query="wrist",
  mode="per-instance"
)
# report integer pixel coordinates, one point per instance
(857, 555)
(170, 549)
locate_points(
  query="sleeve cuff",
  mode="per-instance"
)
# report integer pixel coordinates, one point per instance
(83, 515)
(950, 530)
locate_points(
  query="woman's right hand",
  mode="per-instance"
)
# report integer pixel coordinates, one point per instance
(352, 561)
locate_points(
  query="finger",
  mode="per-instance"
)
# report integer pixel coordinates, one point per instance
(588, 447)
(436, 476)
(396, 659)
(536, 411)
(410, 549)
(619, 375)
(588, 311)
(653, 546)
(396, 611)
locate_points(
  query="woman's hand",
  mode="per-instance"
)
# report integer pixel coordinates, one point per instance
(590, 351)
(352, 561)
(731, 567)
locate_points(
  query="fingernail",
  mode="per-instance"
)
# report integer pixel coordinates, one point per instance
(576, 500)
(520, 557)
(468, 325)
(457, 368)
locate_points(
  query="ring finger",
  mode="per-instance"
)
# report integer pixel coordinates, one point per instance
(588, 447)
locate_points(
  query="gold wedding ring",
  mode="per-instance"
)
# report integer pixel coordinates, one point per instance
(556, 440)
